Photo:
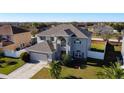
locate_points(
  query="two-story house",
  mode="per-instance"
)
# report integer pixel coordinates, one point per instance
(14, 38)
(63, 38)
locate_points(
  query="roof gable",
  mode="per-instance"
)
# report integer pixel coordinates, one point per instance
(43, 47)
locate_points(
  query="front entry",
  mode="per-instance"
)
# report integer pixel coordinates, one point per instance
(77, 54)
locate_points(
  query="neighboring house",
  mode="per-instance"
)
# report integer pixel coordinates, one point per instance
(14, 38)
(63, 38)
(103, 29)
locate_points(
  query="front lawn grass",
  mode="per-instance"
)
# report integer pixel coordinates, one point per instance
(89, 72)
(10, 64)
(98, 46)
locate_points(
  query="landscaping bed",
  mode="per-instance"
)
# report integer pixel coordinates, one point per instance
(7, 65)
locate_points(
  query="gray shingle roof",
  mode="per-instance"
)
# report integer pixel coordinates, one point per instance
(103, 28)
(43, 47)
(63, 30)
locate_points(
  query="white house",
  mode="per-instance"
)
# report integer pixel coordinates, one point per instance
(63, 38)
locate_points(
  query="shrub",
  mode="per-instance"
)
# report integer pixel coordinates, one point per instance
(11, 63)
(55, 69)
(1, 53)
(2, 61)
(66, 59)
(25, 56)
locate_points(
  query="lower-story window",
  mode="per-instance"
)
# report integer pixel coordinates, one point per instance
(77, 54)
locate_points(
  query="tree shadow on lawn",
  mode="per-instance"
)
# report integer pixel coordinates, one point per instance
(77, 64)
(95, 62)
(71, 77)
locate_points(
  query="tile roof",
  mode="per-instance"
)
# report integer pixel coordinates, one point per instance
(63, 30)
(43, 47)
(6, 30)
(10, 30)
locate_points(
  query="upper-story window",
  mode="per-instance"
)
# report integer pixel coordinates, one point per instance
(77, 41)
(52, 38)
(42, 37)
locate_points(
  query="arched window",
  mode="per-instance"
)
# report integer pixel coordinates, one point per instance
(77, 41)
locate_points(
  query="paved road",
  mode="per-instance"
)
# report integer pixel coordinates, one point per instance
(27, 70)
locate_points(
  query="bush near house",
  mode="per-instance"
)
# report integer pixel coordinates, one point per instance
(1, 53)
(66, 59)
(25, 57)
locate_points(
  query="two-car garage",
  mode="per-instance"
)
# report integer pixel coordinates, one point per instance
(38, 56)
(41, 52)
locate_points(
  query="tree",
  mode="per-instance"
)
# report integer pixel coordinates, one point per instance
(112, 72)
(106, 36)
(55, 69)
(35, 24)
(34, 32)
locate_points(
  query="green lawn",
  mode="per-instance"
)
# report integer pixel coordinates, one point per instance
(10, 65)
(97, 46)
(113, 36)
(88, 72)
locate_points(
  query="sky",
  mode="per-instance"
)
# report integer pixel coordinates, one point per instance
(61, 17)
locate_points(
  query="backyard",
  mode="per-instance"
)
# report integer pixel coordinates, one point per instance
(98, 46)
(7, 65)
(88, 72)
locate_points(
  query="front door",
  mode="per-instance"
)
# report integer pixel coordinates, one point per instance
(78, 54)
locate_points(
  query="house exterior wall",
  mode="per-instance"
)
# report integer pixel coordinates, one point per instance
(89, 42)
(12, 53)
(82, 47)
(70, 47)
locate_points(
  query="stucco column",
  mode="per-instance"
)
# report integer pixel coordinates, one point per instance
(67, 46)
(55, 43)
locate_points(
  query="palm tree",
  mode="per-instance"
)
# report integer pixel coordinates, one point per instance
(113, 72)
(55, 69)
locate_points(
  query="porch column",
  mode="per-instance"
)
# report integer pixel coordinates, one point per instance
(67, 46)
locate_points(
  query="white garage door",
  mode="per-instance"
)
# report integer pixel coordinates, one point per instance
(38, 57)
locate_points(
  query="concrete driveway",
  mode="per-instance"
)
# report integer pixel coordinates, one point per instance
(27, 70)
